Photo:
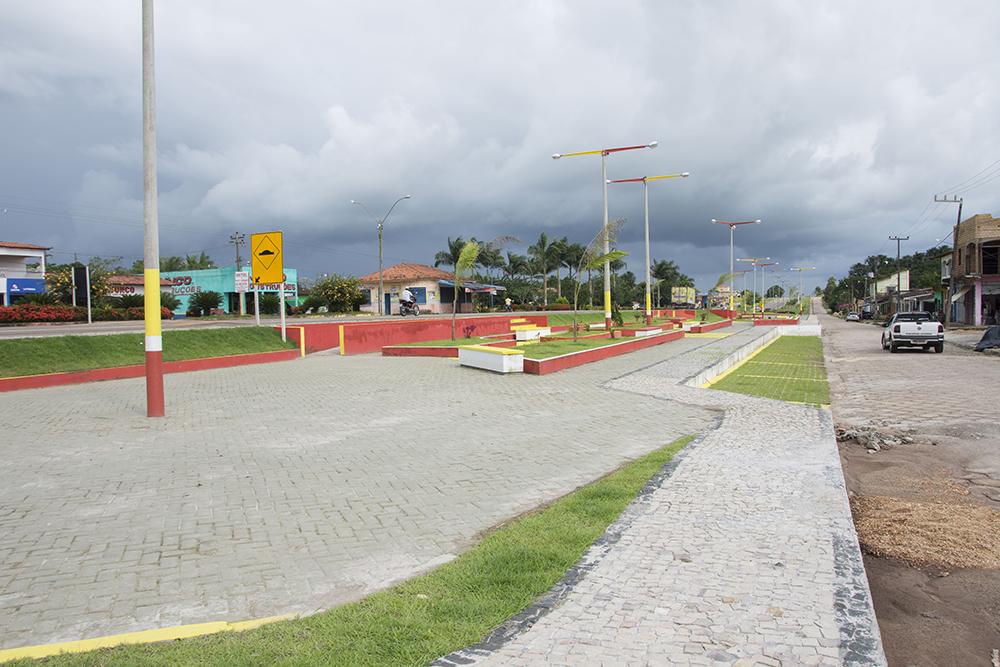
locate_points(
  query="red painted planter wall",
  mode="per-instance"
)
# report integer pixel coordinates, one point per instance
(711, 326)
(122, 372)
(765, 323)
(725, 313)
(546, 366)
(362, 337)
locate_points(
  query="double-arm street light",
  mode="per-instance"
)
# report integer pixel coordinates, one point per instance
(645, 202)
(732, 225)
(754, 263)
(379, 223)
(763, 288)
(799, 270)
(604, 153)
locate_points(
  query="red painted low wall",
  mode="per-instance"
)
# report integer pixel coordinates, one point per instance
(686, 314)
(725, 313)
(760, 322)
(546, 366)
(122, 372)
(710, 326)
(435, 351)
(362, 337)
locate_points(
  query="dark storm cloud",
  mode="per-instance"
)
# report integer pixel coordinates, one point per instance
(833, 122)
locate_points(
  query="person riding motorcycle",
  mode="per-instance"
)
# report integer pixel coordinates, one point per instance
(406, 297)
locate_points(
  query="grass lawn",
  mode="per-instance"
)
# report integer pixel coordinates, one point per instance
(429, 616)
(558, 347)
(34, 356)
(789, 369)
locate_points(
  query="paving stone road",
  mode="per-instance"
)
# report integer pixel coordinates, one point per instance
(745, 555)
(290, 487)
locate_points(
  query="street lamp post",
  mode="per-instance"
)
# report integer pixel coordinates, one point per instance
(732, 226)
(753, 282)
(604, 152)
(379, 223)
(645, 202)
(799, 270)
(743, 300)
(763, 293)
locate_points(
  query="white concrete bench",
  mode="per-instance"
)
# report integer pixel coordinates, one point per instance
(496, 359)
(532, 334)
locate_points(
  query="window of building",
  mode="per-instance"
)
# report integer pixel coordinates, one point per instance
(991, 258)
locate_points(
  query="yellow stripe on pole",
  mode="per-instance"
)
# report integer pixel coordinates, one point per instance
(151, 302)
(649, 304)
(660, 178)
(597, 152)
(607, 303)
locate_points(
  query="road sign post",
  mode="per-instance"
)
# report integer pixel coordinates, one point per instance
(267, 267)
(242, 285)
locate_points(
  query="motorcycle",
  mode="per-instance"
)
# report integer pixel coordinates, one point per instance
(408, 308)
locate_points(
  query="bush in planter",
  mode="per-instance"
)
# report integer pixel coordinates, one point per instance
(269, 303)
(205, 302)
(169, 301)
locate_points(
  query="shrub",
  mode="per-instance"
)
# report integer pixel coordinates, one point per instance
(128, 301)
(29, 312)
(169, 301)
(338, 293)
(269, 303)
(204, 302)
(561, 300)
(312, 302)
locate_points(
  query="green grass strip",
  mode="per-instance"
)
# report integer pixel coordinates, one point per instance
(55, 354)
(432, 615)
(789, 369)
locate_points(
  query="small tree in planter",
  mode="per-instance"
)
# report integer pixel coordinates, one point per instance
(205, 302)
(464, 264)
(593, 258)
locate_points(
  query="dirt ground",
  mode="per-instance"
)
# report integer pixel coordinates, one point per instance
(926, 495)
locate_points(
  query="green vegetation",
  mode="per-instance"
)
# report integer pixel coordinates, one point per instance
(34, 356)
(789, 369)
(429, 616)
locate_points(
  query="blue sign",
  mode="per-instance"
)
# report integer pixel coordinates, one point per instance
(25, 286)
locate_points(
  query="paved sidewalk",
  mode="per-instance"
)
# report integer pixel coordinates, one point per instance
(745, 555)
(289, 487)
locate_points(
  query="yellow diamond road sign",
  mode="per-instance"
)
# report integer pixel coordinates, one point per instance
(266, 264)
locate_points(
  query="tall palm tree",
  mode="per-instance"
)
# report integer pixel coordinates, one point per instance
(557, 253)
(490, 258)
(541, 252)
(571, 255)
(466, 260)
(450, 256)
(665, 273)
(516, 265)
(196, 262)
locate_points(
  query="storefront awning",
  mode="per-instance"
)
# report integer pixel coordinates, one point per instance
(959, 294)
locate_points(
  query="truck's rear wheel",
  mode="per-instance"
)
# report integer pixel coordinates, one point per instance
(893, 347)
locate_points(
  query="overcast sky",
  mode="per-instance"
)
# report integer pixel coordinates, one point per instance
(834, 122)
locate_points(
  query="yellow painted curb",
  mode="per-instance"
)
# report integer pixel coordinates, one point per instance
(707, 335)
(141, 637)
(719, 377)
(491, 350)
(342, 352)
(302, 341)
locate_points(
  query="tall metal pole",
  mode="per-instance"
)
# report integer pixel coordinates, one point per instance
(649, 293)
(954, 242)
(607, 244)
(732, 276)
(381, 298)
(151, 245)
(899, 296)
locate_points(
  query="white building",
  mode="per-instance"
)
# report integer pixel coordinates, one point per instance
(22, 269)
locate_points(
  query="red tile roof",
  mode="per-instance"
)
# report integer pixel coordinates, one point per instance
(136, 280)
(23, 246)
(404, 272)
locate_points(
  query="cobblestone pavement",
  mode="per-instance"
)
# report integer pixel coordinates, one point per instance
(290, 487)
(746, 555)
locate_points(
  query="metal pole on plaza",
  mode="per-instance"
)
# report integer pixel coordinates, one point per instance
(753, 283)
(645, 203)
(151, 245)
(281, 306)
(763, 286)
(604, 152)
(379, 222)
(732, 275)
(899, 296)
(256, 304)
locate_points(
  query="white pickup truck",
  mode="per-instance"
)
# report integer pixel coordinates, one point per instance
(913, 330)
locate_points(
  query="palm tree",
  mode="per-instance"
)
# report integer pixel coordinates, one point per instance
(556, 255)
(196, 262)
(450, 256)
(542, 253)
(466, 260)
(593, 257)
(664, 272)
(516, 265)
(572, 253)
(490, 258)
(172, 263)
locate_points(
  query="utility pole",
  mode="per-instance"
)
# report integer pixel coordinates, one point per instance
(954, 242)
(151, 258)
(237, 240)
(899, 296)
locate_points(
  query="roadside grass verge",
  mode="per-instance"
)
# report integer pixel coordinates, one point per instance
(34, 356)
(429, 616)
(556, 347)
(789, 369)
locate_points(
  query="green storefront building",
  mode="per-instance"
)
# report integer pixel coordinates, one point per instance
(223, 281)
